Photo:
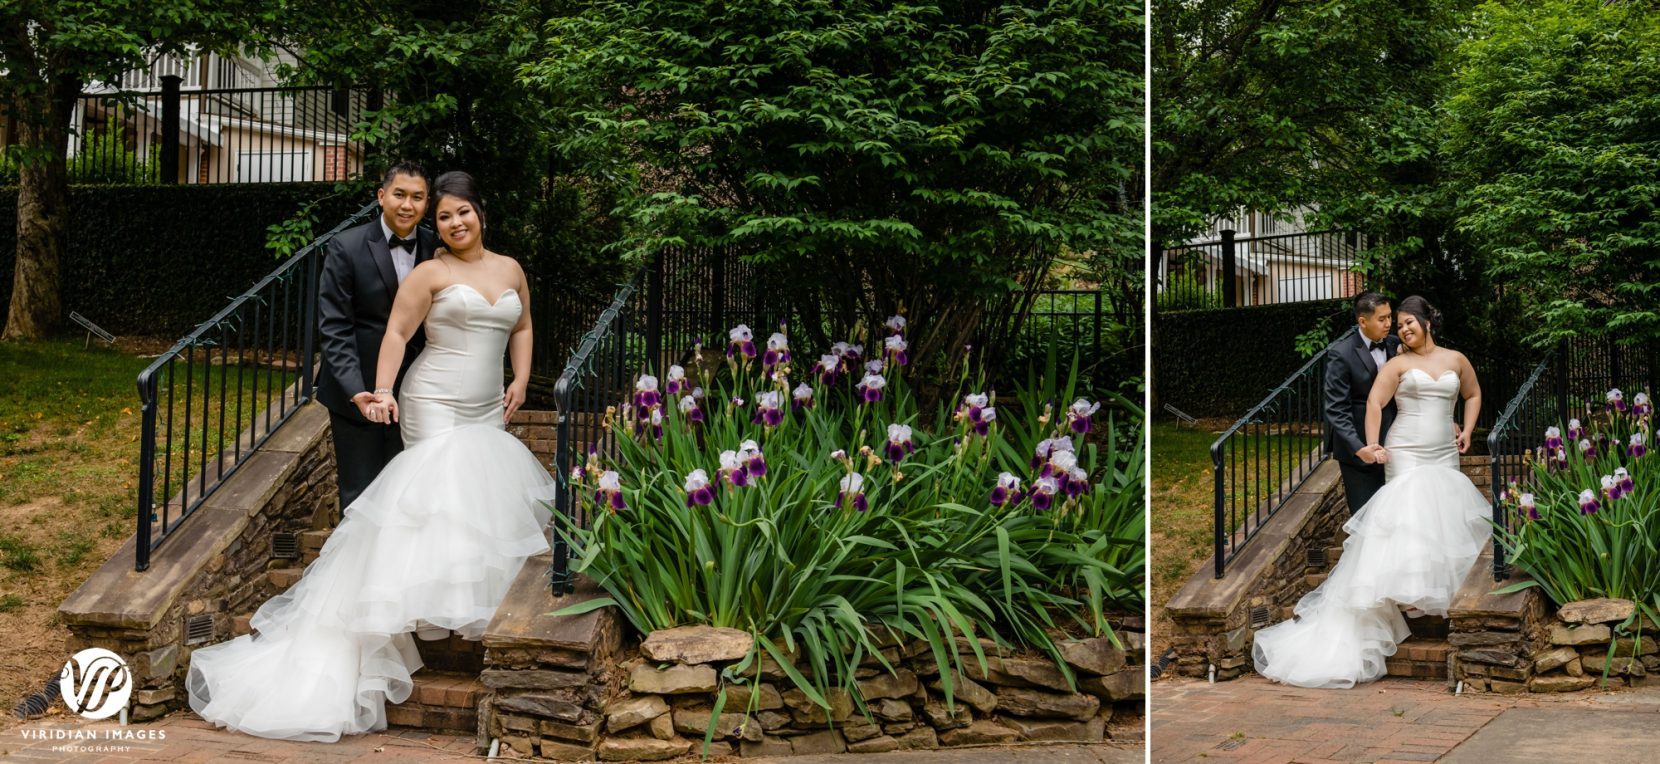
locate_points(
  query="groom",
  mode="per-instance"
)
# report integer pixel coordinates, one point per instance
(1352, 365)
(361, 274)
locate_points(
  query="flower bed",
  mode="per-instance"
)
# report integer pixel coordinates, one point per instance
(1586, 533)
(815, 513)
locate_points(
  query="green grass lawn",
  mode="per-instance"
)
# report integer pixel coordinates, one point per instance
(1182, 522)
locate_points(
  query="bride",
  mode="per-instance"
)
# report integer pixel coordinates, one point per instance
(433, 544)
(1412, 544)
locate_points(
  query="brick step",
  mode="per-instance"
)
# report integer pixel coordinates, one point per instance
(442, 701)
(1429, 627)
(452, 654)
(529, 417)
(1418, 658)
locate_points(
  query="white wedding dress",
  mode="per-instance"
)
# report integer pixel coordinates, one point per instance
(1410, 546)
(431, 545)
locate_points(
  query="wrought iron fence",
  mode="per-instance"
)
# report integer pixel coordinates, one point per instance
(1264, 457)
(219, 393)
(1571, 382)
(1236, 271)
(220, 135)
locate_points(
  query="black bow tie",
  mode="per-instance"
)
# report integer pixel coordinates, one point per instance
(1384, 346)
(397, 243)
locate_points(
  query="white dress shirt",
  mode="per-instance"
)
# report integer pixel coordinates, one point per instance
(1377, 353)
(403, 258)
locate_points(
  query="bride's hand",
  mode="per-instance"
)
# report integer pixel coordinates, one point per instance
(512, 399)
(383, 409)
(1462, 438)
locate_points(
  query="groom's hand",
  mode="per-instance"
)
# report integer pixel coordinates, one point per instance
(364, 401)
(1368, 454)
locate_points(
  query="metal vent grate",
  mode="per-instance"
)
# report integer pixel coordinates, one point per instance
(1316, 558)
(285, 545)
(198, 628)
(1259, 616)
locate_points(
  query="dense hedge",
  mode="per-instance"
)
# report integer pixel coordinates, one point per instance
(1219, 363)
(157, 260)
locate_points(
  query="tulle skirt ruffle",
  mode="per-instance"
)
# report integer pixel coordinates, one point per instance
(432, 544)
(1410, 546)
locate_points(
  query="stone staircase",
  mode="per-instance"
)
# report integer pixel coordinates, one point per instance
(448, 689)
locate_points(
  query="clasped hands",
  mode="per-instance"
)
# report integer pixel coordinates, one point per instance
(379, 407)
(1377, 454)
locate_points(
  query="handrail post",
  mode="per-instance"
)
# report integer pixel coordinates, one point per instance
(146, 469)
(1230, 268)
(1221, 488)
(560, 575)
(309, 321)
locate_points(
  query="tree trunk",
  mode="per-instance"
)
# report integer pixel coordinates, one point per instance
(42, 209)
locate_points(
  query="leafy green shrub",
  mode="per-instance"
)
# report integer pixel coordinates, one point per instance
(1185, 292)
(105, 157)
(805, 503)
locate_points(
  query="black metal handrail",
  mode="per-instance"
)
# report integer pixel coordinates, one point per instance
(1257, 469)
(597, 376)
(1512, 436)
(264, 344)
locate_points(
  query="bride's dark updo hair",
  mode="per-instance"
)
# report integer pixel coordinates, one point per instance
(461, 185)
(1419, 308)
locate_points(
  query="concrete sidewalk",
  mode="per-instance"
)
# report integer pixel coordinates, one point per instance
(1397, 720)
(181, 738)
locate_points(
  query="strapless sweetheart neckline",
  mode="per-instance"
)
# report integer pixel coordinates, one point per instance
(481, 296)
(1436, 378)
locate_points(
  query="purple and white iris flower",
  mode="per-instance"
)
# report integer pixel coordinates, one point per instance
(1043, 492)
(1526, 506)
(778, 351)
(1623, 478)
(698, 493)
(767, 409)
(1553, 437)
(1587, 449)
(732, 469)
(1611, 488)
(754, 461)
(852, 492)
(1616, 400)
(645, 394)
(1638, 447)
(870, 388)
(1575, 430)
(893, 348)
(899, 443)
(1047, 448)
(895, 325)
(1007, 490)
(801, 397)
(740, 340)
(690, 409)
(1077, 481)
(1588, 502)
(979, 415)
(675, 382)
(609, 493)
(1079, 413)
(829, 369)
(1640, 405)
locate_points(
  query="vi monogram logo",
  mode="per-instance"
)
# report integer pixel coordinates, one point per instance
(96, 683)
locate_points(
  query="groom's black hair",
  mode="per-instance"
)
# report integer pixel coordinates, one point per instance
(403, 167)
(1368, 302)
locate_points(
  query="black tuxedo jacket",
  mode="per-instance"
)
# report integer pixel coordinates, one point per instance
(1350, 372)
(354, 303)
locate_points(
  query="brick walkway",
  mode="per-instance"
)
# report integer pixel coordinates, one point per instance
(189, 740)
(1394, 720)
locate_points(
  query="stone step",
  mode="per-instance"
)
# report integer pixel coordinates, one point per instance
(1418, 658)
(441, 701)
(1314, 579)
(311, 545)
(240, 625)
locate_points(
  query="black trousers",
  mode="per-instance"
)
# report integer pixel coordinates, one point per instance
(361, 451)
(1359, 483)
